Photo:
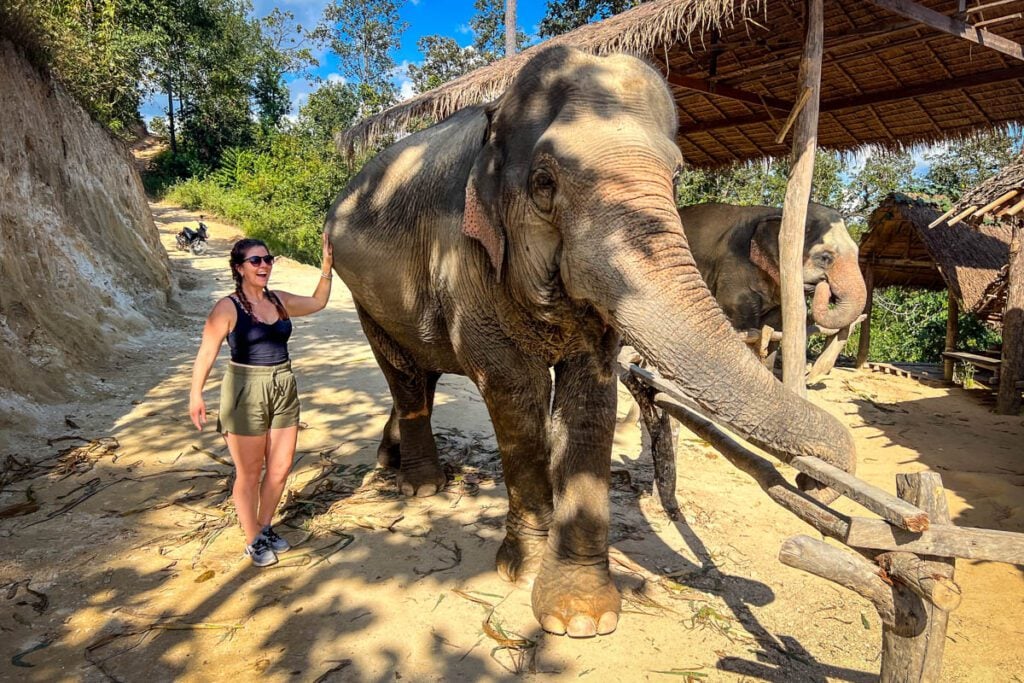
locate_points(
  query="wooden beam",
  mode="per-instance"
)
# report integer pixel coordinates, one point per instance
(952, 331)
(847, 570)
(917, 575)
(864, 344)
(988, 5)
(1008, 399)
(880, 97)
(917, 656)
(941, 540)
(794, 207)
(954, 27)
(728, 92)
(885, 505)
(901, 263)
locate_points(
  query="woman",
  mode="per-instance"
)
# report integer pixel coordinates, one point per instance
(259, 404)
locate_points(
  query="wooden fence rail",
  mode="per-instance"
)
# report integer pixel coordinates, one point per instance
(913, 595)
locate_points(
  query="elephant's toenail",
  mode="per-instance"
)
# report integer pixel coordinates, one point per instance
(608, 622)
(552, 625)
(581, 626)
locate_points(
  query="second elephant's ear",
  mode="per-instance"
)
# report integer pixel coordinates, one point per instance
(482, 217)
(764, 246)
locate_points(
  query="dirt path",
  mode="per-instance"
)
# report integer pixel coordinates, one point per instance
(125, 563)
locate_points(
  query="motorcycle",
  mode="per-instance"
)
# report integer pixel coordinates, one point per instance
(193, 240)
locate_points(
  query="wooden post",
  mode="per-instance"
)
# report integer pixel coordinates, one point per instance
(918, 658)
(1012, 366)
(865, 327)
(794, 209)
(952, 327)
(510, 27)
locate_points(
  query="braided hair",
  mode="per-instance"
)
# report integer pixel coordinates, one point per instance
(238, 252)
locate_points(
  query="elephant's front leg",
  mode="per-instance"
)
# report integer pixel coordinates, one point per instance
(518, 403)
(574, 592)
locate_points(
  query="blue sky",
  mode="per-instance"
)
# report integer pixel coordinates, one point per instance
(424, 17)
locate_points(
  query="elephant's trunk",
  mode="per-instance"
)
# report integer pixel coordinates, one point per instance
(671, 318)
(845, 285)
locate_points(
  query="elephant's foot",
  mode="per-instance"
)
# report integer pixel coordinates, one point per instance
(520, 555)
(577, 600)
(389, 455)
(421, 480)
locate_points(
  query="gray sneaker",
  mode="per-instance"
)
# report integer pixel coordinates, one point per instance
(276, 543)
(260, 552)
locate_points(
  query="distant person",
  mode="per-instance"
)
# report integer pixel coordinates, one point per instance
(259, 403)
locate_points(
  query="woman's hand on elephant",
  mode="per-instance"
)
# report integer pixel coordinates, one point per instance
(327, 260)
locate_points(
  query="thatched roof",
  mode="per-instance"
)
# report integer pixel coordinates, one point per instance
(732, 65)
(998, 198)
(904, 249)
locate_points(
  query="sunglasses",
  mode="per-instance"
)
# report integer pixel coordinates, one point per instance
(255, 260)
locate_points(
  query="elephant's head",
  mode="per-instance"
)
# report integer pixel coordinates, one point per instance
(572, 195)
(830, 264)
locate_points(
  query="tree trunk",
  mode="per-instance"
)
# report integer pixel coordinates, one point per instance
(170, 118)
(510, 27)
(794, 209)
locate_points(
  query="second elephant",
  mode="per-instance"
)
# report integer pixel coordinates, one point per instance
(737, 253)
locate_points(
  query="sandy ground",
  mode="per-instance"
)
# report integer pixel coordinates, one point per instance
(123, 560)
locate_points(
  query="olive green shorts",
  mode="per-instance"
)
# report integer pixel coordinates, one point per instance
(255, 399)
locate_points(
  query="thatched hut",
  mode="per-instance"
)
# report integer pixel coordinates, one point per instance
(997, 203)
(909, 243)
(748, 74)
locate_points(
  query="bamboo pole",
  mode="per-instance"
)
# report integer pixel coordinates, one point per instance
(952, 328)
(794, 209)
(1012, 365)
(865, 327)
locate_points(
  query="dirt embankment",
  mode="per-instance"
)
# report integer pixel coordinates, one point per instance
(82, 271)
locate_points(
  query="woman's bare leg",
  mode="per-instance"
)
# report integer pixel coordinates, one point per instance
(280, 454)
(248, 454)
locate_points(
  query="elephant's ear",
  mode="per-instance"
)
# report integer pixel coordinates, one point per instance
(482, 217)
(764, 246)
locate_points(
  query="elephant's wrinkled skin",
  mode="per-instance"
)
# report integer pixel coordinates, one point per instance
(737, 251)
(529, 234)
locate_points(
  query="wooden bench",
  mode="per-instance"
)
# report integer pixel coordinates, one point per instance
(978, 361)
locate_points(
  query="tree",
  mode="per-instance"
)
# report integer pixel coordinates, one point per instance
(443, 60)
(363, 33)
(962, 164)
(284, 50)
(331, 108)
(488, 26)
(563, 16)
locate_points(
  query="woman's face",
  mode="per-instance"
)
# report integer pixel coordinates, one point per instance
(257, 265)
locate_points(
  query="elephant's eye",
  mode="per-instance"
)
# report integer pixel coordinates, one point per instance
(825, 259)
(542, 190)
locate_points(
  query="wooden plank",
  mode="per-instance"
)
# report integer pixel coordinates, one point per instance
(917, 656)
(794, 206)
(728, 92)
(843, 568)
(885, 505)
(954, 27)
(871, 98)
(944, 541)
(974, 359)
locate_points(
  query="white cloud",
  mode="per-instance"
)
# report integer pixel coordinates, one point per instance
(400, 74)
(335, 77)
(465, 29)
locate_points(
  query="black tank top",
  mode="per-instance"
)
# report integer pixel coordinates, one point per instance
(256, 343)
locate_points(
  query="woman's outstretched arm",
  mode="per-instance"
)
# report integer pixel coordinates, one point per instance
(304, 305)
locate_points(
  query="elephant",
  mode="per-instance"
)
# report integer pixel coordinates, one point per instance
(737, 252)
(533, 233)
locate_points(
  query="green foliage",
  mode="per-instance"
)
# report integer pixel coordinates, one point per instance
(363, 33)
(960, 165)
(167, 168)
(443, 60)
(331, 108)
(910, 326)
(563, 16)
(761, 182)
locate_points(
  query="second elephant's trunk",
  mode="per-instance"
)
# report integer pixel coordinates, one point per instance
(845, 285)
